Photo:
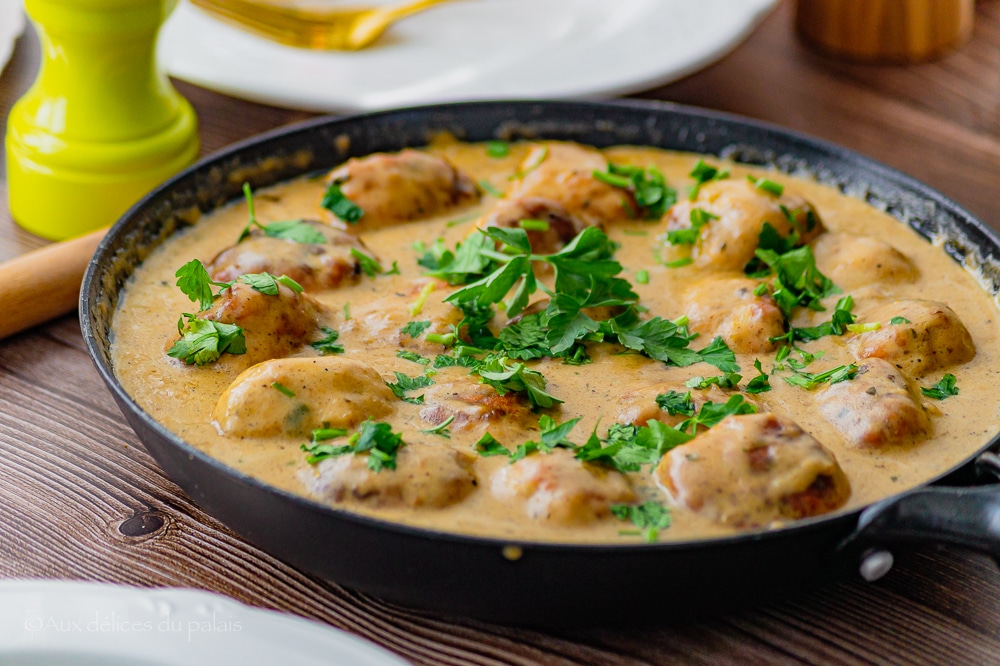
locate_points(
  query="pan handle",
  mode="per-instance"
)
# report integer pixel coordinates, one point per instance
(966, 517)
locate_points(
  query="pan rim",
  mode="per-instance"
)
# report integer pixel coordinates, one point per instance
(858, 161)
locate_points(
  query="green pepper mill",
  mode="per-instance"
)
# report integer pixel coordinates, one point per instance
(101, 125)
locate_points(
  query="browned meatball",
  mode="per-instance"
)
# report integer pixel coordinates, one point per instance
(563, 227)
(879, 407)
(856, 261)
(729, 308)
(327, 392)
(564, 172)
(753, 470)
(381, 321)
(729, 242)
(313, 265)
(425, 476)
(399, 187)
(933, 337)
(274, 326)
(472, 404)
(558, 488)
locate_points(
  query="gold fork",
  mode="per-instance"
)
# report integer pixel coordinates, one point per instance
(342, 29)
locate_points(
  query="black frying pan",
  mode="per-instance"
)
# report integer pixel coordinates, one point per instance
(548, 583)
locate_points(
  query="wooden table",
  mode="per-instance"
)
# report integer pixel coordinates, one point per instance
(71, 470)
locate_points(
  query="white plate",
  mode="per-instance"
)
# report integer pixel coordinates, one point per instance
(469, 49)
(58, 623)
(11, 25)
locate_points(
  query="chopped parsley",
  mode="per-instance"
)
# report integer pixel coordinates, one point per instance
(267, 284)
(810, 381)
(944, 388)
(194, 282)
(711, 413)
(441, 429)
(534, 225)
(296, 231)
(842, 320)
(726, 381)
(282, 389)
(489, 446)
(498, 372)
(797, 281)
(896, 321)
(497, 149)
(704, 173)
(767, 185)
(627, 447)
(203, 341)
(376, 439)
(415, 329)
(642, 276)
(760, 383)
(328, 344)
(368, 264)
(413, 356)
(650, 517)
(648, 187)
(676, 403)
(689, 236)
(335, 201)
(404, 384)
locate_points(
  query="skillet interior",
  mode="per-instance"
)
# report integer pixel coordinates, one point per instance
(543, 583)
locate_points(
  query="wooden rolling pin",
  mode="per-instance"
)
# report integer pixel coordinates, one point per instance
(45, 283)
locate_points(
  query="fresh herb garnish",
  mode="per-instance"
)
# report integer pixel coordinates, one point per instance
(760, 383)
(726, 381)
(488, 187)
(797, 281)
(441, 429)
(335, 201)
(489, 446)
(711, 413)
(415, 329)
(627, 447)
(296, 231)
(650, 517)
(377, 439)
(204, 341)
(676, 403)
(689, 236)
(404, 384)
(944, 388)
(767, 185)
(896, 321)
(810, 381)
(413, 357)
(648, 187)
(282, 389)
(840, 321)
(704, 173)
(267, 284)
(497, 148)
(194, 282)
(328, 344)
(498, 372)
(368, 264)
(642, 276)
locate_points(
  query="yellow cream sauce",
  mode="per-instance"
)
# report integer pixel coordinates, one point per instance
(182, 397)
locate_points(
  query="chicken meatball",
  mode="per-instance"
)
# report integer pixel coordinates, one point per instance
(471, 404)
(273, 325)
(324, 265)
(557, 488)
(294, 396)
(858, 261)
(564, 173)
(425, 476)
(729, 308)
(562, 227)
(400, 187)
(929, 336)
(753, 470)
(879, 406)
(729, 240)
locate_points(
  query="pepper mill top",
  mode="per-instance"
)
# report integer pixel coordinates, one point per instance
(101, 125)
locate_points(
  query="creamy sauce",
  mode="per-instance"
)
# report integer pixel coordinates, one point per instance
(183, 397)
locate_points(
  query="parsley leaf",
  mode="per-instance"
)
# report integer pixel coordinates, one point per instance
(335, 201)
(650, 516)
(413, 356)
(441, 429)
(204, 341)
(194, 282)
(711, 413)
(896, 321)
(810, 381)
(944, 388)
(267, 284)
(296, 231)
(377, 439)
(415, 329)
(404, 383)
(797, 281)
(689, 236)
(503, 377)
(368, 264)
(728, 381)
(318, 451)
(676, 403)
(497, 149)
(719, 354)
(767, 185)
(627, 447)
(839, 322)
(760, 383)
(328, 344)
(648, 187)
(489, 446)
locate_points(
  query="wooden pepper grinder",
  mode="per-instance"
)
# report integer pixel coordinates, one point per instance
(101, 125)
(886, 31)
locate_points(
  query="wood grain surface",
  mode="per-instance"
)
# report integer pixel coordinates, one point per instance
(81, 499)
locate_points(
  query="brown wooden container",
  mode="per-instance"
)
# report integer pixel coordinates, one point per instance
(901, 31)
